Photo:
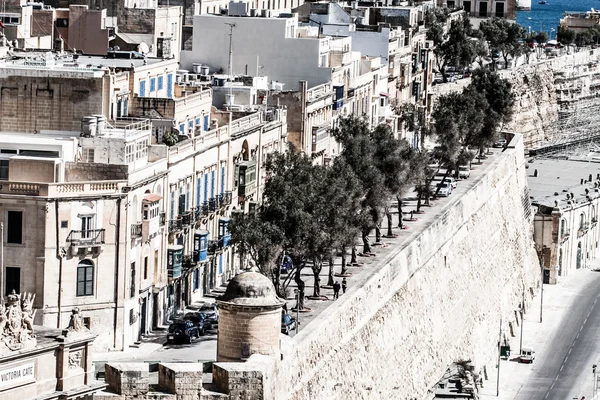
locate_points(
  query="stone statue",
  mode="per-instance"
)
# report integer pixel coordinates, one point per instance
(76, 325)
(16, 322)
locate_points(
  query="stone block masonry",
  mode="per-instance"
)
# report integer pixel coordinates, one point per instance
(440, 298)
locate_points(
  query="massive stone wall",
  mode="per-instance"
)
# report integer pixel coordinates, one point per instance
(441, 298)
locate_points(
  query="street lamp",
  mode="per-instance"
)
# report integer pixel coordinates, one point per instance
(535, 20)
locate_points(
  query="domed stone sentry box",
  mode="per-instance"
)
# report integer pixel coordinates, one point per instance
(249, 318)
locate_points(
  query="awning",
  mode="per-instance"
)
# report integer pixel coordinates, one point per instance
(152, 198)
(384, 94)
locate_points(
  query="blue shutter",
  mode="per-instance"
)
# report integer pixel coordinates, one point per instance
(197, 121)
(160, 83)
(205, 187)
(170, 85)
(182, 128)
(152, 85)
(198, 191)
(220, 263)
(206, 123)
(172, 214)
(191, 123)
(212, 184)
(142, 88)
(187, 197)
(222, 180)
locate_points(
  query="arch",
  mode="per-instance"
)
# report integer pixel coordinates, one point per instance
(563, 227)
(581, 220)
(245, 151)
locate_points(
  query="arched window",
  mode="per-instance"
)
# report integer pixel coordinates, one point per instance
(563, 227)
(581, 221)
(85, 278)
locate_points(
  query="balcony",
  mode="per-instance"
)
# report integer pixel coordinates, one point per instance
(225, 199)
(136, 230)
(213, 246)
(162, 218)
(92, 237)
(186, 219)
(175, 225)
(205, 209)
(212, 205)
(583, 228)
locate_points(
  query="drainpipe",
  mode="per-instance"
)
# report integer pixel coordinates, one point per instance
(117, 248)
(60, 265)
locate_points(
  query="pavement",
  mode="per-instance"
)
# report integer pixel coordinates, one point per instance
(565, 342)
(153, 348)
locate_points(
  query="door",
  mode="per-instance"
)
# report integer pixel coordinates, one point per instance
(170, 85)
(467, 7)
(143, 317)
(86, 226)
(483, 11)
(500, 10)
(579, 255)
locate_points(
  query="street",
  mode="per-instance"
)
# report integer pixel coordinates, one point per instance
(564, 369)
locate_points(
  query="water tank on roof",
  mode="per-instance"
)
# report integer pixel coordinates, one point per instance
(89, 126)
(100, 124)
(197, 68)
(204, 70)
(254, 13)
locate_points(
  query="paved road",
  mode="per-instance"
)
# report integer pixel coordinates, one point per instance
(564, 371)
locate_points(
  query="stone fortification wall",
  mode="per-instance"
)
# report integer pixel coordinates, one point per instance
(546, 89)
(439, 299)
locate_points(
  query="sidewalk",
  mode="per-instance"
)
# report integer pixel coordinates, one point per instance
(557, 302)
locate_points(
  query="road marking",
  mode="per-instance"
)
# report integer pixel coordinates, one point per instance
(547, 395)
(571, 349)
(557, 375)
(566, 358)
(585, 320)
(576, 337)
(581, 328)
(561, 368)
(552, 385)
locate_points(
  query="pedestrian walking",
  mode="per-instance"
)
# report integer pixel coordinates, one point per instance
(336, 290)
(344, 285)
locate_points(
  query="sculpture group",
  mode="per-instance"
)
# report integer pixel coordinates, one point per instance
(16, 322)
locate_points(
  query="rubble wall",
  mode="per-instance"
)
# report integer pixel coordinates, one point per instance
(441, 298)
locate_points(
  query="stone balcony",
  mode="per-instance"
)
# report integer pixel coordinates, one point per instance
(69, 189)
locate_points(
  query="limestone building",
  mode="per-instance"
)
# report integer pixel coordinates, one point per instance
(478, 9)
(566, 194)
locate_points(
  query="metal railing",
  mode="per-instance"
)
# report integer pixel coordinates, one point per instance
(162, 219)
(175, 225)
(186, 218)
(136, 230)
(225, 199)
(88, 237)
(213, 246)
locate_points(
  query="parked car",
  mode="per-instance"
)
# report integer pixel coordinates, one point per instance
(527, 355)
(182, 331)
(500, 143)
(464, 171)
(199, 320)
(445, 188)
(288, 323)
(211, 313)
(448, 179)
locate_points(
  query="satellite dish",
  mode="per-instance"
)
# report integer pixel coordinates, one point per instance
(143, 48)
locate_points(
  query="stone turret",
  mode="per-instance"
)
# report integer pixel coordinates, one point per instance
(249, 318)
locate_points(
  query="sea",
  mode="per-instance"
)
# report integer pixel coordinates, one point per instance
(546, 17)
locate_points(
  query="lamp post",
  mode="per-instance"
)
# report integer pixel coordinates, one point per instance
(297, 309)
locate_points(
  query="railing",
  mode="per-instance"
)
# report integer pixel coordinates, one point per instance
(162, 218)
(225, 199)
(136, 230)
(175, 225)
(91, 237)
(326, 89)
(186, 218)
(212, 205)
(583, 228)
(61, 189)
(224, 241)
(212, 247)
(245, 123)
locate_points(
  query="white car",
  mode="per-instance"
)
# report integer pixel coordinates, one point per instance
(448, 179)
(464, 171)
(445, 189)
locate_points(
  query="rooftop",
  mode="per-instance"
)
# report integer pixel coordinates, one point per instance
(557, 177)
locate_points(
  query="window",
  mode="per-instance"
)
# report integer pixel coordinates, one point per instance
(146, 267)
(222, 179)
(563, 227)
(130, 153)
(152, 85)
(197, 121)
(13, 280)
(220, 263)
(212, 184)
(142, 88)
(88, 155)
(160, 83)
(187, 196)
(198, 187)
(87, 226)
(206, 123)
(182, 128)
(85, 278)
(132, 287)
(205, 187)
(62, 22)
(172, 210)
(14, 229)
